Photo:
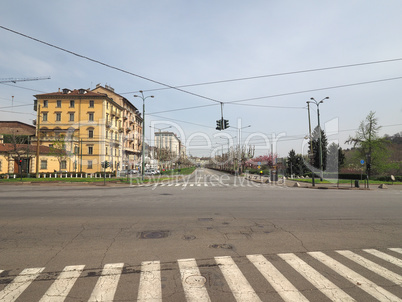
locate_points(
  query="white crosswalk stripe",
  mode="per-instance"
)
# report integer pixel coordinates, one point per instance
(371, 288)
(61, 287)
(327, 287)
(198, 286)
(239, 285)
(379, 270)
(106, 286)
(150, 289)
(385, 257)
(12, 291)
(284, 288)
(192, 281)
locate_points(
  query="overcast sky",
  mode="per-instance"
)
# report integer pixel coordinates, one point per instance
(190, 42)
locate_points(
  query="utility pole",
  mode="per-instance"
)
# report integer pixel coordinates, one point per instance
(37, 140)
(311, 146)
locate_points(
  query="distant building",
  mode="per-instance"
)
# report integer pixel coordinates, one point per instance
(169, 148)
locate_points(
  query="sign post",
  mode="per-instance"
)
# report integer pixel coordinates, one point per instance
(361, 173)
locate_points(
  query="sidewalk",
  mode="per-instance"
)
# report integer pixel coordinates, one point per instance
(341, 186)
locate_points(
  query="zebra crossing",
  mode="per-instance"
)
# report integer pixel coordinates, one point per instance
(281, 272)
(183, 185)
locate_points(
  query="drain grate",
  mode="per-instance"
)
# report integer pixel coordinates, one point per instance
(222, 246)
(205, 219)
(154, 234)
(189, 237)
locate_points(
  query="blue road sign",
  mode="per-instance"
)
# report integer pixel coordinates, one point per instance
(362, 161)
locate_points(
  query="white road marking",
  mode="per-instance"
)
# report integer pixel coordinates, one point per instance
(369, 287)
(12, 291)
(398, 250)
(190, 274)
(386, 257)
(238, 284)
(284, 288)
(150, 288)
(60, 288)
(106, 286)
(324, 285)
(374, 267)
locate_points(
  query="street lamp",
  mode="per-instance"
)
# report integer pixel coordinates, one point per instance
(311, 145)
(319, 130)
(143, 129)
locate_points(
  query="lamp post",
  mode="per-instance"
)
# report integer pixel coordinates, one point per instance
(319, 129)
(311, 145)
(143, 129)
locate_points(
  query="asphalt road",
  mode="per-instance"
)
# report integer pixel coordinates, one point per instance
(196, 239)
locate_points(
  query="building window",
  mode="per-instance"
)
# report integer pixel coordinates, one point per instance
(90, 150)
(107, 105)
(1, 166)
(72, 117)
(107, 134)
(107, 149)
(43, 164)
(76, 150)
(63, 165)
(45, 102)
(72, 104)
(58, 117)
(91, 133)
(91, 116)
(58, 104)
(89, 164)
(44, 117)
(91, 104)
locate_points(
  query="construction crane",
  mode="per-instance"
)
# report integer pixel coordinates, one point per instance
(15, 80)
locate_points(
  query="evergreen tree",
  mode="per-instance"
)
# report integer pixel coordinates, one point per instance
(316, 147)
(335, 157)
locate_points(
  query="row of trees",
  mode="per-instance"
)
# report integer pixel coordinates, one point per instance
(366, 144)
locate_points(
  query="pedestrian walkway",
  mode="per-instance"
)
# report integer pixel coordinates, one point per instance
(183, 185)
(342, 275)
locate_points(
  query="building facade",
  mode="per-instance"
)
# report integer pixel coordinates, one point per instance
(131, 144)
(88, 125)
(169, 149)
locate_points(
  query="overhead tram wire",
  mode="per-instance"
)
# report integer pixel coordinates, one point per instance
(108, 65)
(275, 74)
(312, 90)
(281, 95)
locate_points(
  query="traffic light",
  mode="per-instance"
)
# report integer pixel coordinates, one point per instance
(105, 164)
(20, 162)
(225, 124)
(219, 125)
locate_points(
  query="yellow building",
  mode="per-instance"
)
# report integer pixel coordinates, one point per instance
(88, 125)
(132, 128)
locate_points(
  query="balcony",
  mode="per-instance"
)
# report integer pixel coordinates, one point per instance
(121, 129)
(108, 124)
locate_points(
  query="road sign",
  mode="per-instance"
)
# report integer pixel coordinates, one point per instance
(259, 163)
(362, 161)
(259, 167)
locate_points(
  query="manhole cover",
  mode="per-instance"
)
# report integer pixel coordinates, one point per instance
(189, 237)
(196, 281)
(221, 246)
(154, 234)
(205, 219)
